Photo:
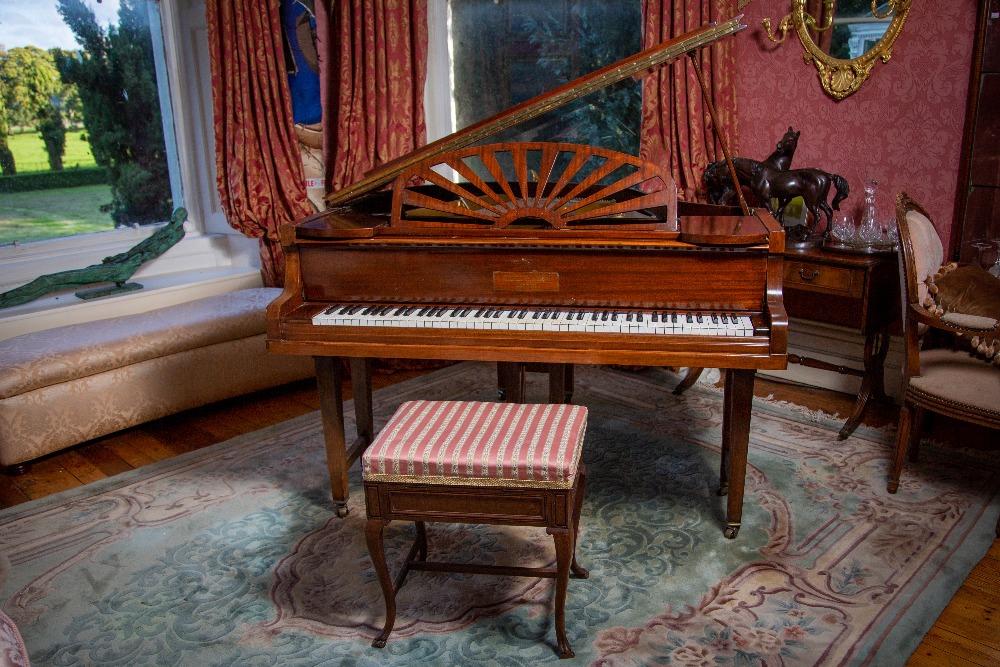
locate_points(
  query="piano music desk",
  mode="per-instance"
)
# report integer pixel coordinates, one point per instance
(850, 290)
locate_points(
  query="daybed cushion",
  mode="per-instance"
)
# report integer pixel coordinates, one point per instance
(63, 386)
(43, 358)
(479, 444)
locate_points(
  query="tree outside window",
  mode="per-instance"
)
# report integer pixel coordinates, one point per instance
(100, 89)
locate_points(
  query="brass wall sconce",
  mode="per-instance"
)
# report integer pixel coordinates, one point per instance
(840, 76)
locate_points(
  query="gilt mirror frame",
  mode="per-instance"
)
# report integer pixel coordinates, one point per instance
(840, 77)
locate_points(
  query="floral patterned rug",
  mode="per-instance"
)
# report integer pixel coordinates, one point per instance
(232, 555)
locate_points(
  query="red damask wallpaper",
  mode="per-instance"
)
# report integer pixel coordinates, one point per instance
(903, 128)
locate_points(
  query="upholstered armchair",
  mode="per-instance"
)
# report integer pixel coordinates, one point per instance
(960, 378)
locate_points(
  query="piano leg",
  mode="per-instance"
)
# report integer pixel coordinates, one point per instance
(737, 406)
(510, 381)
(361, 386)
(340, 457)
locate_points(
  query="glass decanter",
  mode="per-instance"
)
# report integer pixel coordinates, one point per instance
(869, 231)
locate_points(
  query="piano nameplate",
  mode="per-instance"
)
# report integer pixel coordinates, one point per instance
(525, 281)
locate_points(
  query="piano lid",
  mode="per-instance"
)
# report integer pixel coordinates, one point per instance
(568, 92)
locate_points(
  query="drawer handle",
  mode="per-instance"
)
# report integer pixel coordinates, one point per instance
(810, 277)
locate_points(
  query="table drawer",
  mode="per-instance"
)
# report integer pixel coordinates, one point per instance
(823, 278)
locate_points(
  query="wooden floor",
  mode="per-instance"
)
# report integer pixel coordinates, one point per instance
(966, 633)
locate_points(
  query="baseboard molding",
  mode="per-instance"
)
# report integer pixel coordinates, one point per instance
(839, 346)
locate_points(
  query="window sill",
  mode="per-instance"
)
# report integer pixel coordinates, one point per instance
(166, 289)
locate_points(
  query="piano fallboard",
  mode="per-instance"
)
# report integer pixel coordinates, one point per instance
(576, 275)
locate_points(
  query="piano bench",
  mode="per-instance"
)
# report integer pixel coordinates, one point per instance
(63, 386)
(477, 463)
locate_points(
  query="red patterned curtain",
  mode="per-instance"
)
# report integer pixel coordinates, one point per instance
(372, 73)
(676, 125)
(258, 166)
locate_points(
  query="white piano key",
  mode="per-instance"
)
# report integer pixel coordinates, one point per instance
(517, 318)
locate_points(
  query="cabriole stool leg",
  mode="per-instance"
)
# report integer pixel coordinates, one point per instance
(564, 555)
(577, 569)
(376, 550)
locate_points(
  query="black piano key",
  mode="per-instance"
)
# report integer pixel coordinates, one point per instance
(699, 318)
(690, 318)
(715, 318)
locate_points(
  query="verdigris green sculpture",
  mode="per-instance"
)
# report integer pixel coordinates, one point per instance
(115, 269)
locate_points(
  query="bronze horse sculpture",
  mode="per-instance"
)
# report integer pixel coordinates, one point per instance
(719, 184)
(813, 185)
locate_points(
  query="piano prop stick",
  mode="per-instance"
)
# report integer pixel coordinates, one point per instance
(541, 253)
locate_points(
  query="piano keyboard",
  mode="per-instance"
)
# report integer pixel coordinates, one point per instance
(526, 319)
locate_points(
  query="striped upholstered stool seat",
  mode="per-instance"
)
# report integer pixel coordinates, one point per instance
(476, 462)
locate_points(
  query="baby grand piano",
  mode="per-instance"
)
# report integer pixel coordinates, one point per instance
(532, 252)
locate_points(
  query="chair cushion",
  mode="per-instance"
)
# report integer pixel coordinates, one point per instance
(12, 650)
(966, 290)
(479, 444)
(957, 376)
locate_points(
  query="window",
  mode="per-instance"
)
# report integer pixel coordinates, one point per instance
(501, 53)
(212, 258)
(89, 131)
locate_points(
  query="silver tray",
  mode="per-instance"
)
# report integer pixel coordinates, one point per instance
(860, 248)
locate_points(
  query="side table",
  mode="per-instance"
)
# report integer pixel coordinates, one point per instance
(857, 291)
